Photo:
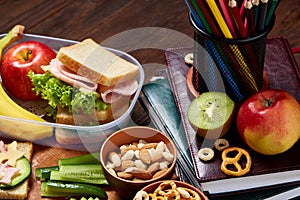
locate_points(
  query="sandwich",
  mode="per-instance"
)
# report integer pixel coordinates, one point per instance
(15, 170)
(86, 84)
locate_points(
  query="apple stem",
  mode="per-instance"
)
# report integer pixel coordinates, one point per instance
(267, 102)
(28, 54)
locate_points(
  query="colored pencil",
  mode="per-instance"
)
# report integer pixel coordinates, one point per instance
(255, 8)
(209, 17)
(227, 17)
(271, 10)
(218, 16)
(194, 14)
(262, 14)
(235, 14)
(242, 8)
(249, 18)
(201, 16)
(224, 70)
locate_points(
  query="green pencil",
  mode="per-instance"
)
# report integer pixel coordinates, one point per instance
(271, 11)
(202, 17)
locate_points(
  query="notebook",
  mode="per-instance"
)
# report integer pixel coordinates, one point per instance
(160, 105)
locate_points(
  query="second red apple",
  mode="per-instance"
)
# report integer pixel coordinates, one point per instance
(269, 121)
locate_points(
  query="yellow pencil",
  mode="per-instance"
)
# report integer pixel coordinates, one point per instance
(217, 14)
(234, 48)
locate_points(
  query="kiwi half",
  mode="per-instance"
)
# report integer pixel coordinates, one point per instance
(211, 114)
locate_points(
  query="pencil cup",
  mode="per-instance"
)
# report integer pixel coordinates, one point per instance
(234, 66)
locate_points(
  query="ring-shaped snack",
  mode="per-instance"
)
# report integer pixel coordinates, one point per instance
(189, 59)
(221, 144)
(206, 154)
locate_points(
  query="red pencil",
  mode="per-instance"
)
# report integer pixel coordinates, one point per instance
(235, 14)
(228, 19)
(242, 10)
(249, 18)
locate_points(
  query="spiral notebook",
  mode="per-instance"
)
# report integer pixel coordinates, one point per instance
(267, 171)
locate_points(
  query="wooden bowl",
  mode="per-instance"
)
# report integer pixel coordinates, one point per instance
(151, 187)
(126, 189)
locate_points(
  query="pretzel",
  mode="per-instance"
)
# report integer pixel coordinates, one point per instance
(221, 144)
(169, 190)
(235, 161)
(167, 193)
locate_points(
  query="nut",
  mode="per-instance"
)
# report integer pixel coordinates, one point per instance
(156, 157)
(140, 160)
(160, 148)
(168, 156)
(115, 159)
(159, 173)
(141, 174)
(125, 175)
(150, 145)
(140, 164)
(153, 168)
(128, 155)
(145, 156)
(126, 164)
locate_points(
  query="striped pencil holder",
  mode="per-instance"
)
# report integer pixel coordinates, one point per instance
(234, 66)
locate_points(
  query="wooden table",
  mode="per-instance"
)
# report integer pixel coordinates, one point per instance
(144, 28)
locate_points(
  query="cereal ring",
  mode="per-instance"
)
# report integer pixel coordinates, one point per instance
(221, 144)
(189, 59)
(206, 154)
(235, 161)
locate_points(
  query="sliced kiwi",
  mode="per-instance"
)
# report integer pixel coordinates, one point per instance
(211, 114)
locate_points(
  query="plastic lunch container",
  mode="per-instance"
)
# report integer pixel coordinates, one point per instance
(74, 137)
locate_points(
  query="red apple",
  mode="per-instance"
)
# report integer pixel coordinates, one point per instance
(18, 61)
(269, 121)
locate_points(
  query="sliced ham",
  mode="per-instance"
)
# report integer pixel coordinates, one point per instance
(113, 93)
(6, 173)
(109, 94)
(63, 73)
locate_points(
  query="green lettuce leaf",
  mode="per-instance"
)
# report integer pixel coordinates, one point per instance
(61, 94)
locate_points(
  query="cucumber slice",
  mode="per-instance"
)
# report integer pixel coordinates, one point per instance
(43, 173)
(25, 169)
(59, 176)
(92, 158)
(62, 189)
(89, 173)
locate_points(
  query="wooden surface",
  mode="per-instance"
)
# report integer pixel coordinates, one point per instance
(144, 28)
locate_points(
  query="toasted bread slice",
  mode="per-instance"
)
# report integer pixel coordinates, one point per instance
(94, 62)
(21, 190)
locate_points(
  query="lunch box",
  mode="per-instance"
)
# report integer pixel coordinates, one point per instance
(66, 136)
